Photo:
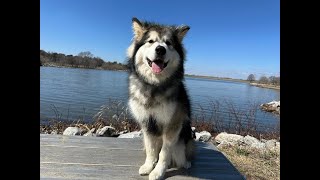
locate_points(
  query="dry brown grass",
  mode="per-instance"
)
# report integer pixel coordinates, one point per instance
(254, 164)
(116, 114)
(60, 126)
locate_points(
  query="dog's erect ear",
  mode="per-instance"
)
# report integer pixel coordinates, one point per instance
(138, 29)
(182, 31)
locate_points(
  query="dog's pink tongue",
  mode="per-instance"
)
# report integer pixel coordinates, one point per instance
(157, 68)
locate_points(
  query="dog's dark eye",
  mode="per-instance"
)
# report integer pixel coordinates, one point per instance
(168, 43)
(150, 41)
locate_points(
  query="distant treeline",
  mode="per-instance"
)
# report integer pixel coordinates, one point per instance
(82, 60)
(274, 80)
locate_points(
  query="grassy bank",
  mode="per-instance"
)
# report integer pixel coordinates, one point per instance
(215, 78)
(57, 127)
(115, 113)
(269, 86)
(254, 164)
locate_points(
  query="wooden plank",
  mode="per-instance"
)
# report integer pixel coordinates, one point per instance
(78, 157)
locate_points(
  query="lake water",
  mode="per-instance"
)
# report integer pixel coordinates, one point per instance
(80, 93)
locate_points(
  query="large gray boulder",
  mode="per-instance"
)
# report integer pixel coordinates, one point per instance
(71, 131)
(227, 140)
(54, 132)
(271, 144)
(253, 142)
(107, 131)
(134, 134)
(203, 136)
(258, 145)
(277, 148)
(231, 139)
(273, 106)
(225, 144)
(249, 140)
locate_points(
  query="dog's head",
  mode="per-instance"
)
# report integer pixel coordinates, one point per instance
(156, 52)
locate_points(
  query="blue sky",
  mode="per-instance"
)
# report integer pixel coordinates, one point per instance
(228, 38)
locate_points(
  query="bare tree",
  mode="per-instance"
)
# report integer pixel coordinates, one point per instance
(93, 63)
(86, 54)
(54, 57)
(86, 62)
(70, 60)
(83, 60)
(263, 80)
(99, 61)
(277, 80)
(274, 80)
(251, 78)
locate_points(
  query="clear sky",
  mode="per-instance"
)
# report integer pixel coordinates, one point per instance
(228, 38)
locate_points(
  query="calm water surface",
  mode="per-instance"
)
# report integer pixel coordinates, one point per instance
(75, 93)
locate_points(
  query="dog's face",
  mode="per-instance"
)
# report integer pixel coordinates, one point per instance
(156, 51)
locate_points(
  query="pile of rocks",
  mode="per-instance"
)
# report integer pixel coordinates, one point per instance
(203, 136)
(221, 140)
(224, 139)
(108, 131)
(273, 106)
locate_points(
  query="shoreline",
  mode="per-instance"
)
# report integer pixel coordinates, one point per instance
(215, 78)
(58, 66)
(268, 86)
(123, 127)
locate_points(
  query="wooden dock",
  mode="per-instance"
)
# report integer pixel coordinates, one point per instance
(78, 157)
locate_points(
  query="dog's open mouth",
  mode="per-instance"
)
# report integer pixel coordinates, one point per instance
(157, 65)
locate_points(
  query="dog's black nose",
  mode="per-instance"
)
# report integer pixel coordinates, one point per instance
(160, 50)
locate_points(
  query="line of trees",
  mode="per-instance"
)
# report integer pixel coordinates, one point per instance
(83, 60)
(265, 80)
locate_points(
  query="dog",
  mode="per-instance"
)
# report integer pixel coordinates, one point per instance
(158, 99)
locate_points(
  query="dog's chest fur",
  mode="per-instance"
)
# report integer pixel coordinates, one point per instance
(149, 105)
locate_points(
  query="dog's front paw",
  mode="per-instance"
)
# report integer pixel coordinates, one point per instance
(156, 174)
(145, 169)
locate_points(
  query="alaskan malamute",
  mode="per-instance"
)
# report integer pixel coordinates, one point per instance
(157, 96)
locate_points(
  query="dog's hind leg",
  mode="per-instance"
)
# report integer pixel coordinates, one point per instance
(152, 146)
(179, 155)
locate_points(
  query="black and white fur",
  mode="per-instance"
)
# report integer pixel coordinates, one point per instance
(158, 99)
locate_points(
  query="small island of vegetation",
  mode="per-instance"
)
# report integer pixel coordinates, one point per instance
(83, 60)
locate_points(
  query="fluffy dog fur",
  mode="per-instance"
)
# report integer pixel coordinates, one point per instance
(158, 99)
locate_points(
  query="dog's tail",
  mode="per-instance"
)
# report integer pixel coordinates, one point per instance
(190, 150)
